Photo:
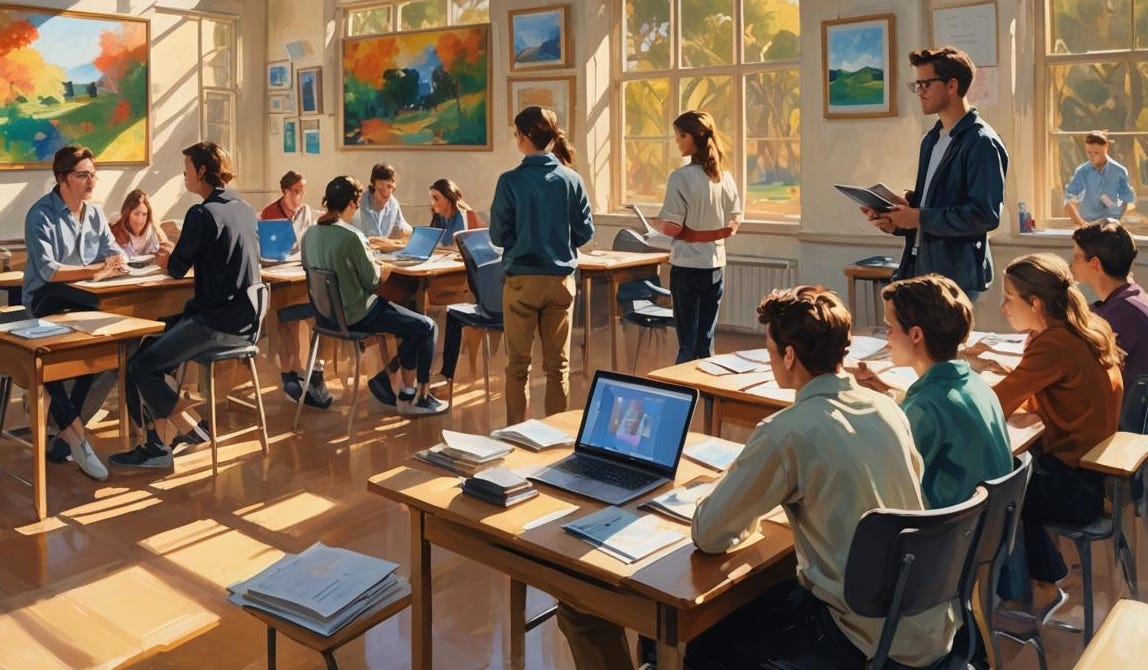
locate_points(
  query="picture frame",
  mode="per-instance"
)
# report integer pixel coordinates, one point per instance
(83, 78)
(279, 75)
(540, 38)
(557, 93)
(290, 136)
(281, 103)
(386, 96)
(312, 141)
(859, 67)
(309, 91)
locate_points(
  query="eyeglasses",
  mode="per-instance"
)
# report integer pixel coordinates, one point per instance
(85, 175)
(920, 84)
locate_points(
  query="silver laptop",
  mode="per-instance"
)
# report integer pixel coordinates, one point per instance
(630, 440)
(419, 248)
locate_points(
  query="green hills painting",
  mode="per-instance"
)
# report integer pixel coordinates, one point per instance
(863, 87)
(72, 77)
(858, 67)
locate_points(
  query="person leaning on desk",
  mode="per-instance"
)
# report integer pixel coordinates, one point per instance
(839, 451)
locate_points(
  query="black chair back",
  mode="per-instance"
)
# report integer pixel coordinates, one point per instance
(1134, 415)
(260, 297)
(484, 271)
(629, 239)
(323, 290)
(904, 562)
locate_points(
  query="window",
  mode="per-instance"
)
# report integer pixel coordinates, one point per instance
(218, 88)
(737, 60)
(1095, 69)
(386, 17)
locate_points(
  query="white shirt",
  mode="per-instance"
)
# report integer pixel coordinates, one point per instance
(697, 202)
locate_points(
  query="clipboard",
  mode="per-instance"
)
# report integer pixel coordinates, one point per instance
(865, 197)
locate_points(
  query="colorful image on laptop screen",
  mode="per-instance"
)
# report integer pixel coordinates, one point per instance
(642, 423)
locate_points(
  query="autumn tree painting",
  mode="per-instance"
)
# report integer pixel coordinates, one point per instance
(70, 77)
(415, 90)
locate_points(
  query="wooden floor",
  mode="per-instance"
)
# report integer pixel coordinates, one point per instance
(132, 571)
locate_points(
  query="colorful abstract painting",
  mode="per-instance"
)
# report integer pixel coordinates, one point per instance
(72, 77)
(418, 90)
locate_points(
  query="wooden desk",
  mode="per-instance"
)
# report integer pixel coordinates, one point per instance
(876, 274)
(439, 282)
(30, 363)
(145, 298)
(671, 596)
(1121, 640)
(617, 267)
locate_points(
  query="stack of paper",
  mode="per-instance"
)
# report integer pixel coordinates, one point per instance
(322, 589)
(534, 435)
(681, 503)
(623, 534)
(32, 329)
(436, 455)
(476, 449)
(714, 452)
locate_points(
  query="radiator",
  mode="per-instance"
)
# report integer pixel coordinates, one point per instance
(747, 279)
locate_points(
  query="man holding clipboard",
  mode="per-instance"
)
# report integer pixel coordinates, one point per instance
(959, 193)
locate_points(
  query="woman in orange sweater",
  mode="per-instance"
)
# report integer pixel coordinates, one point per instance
(1070, 375)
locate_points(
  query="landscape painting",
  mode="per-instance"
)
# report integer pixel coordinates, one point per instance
(418, 90)
(539, 38)
(72, 77)
(555, 93)
(860, 67)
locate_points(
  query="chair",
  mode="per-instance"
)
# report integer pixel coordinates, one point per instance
(323, 290)
(997, 536)
(636, 298)
(485, 276)
(882, 575)
(259, 295)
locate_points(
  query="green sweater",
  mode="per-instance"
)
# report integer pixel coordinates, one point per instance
(343, 249)
(960, 431)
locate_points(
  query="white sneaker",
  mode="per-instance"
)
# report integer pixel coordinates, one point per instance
(88, 461)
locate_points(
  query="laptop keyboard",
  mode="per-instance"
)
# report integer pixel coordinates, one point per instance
(606, 472)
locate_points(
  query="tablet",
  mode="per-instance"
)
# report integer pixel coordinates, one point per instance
(865, 197)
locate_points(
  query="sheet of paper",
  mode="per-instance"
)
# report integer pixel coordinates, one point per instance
(863, 347)
(755, 355)
(900, 378)
(734, 363)
(714, 452)
(623, 534)
(713, 369)
(770, 389)
(479, 446)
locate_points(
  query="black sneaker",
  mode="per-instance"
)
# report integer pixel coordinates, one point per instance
(144, 456)
(292, 385)
(59, 451)
(317, 393)
(188, 441)
(406, 397)
(426, 405)
(383, 393)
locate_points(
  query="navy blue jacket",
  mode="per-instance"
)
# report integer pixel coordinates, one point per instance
(965, 202)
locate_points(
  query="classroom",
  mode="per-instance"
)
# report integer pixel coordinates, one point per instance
(555, 334)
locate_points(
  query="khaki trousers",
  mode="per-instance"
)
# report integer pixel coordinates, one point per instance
(595, 643)
(542, 303)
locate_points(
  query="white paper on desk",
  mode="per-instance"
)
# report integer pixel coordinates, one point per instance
(1003, 361)
(755, 355)
(681, 503)
(770, 389)
(714, 452)
(713, 369)
(623, 534)
(734, 363)
(1003, 343)
(480, 448)
(900, 378)
(862, 347)
(95, 323)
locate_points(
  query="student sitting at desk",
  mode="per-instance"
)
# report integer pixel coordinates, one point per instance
(136, 230)
(1070, 375)
(334, 244)
(69, 240)
(220, 242)
(290, 206)
(448, 209)
(839, 451)
(957, 422)
(379, 215)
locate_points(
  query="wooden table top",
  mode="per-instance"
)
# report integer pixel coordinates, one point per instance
(1121, 641)
(616, 260)
(87, 327)
(1120, 455)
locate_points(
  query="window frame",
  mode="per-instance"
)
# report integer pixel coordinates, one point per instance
(346, 7)
(676, 73)
(231, 93)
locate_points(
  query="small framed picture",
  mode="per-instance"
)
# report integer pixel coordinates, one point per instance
(556, 93)
(311, 139)
(281, 103)
(279, 75)
(540, 38)
(310, 90)
(290, 136)
(859, 67)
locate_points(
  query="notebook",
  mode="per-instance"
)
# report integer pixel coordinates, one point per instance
(630, 440)
(276, 239)
(418, 250)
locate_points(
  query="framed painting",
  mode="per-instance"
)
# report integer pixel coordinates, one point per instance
(539, 38)
(281, 103)
(73, 78)
(310, 90)
(311, 139)
(428, 89)
(859, 67)
(557, 93)
(290, 136)
(278, 75)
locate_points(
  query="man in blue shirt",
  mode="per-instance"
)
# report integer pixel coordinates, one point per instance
(1099, 188)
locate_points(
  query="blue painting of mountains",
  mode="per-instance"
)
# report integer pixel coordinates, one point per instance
(538, 38)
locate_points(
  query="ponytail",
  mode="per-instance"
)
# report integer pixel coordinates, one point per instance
(563, 150)
(707, 148)
(540, 126)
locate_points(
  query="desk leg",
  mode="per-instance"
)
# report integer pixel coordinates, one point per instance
(852, 294)
(37, 420)
(421, 620)
(122, 380)
(517, 625)
(421, 296)
(270, 648)
(614, 321)
(586, 325)
(710, 406)
(671, 653)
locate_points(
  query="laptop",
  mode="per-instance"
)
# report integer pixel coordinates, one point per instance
(419, 248)
(276, 240)
(630, 441)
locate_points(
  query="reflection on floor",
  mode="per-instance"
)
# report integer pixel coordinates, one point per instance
(132, 571)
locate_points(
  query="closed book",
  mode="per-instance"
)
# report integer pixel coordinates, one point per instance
(500, 480)
(437, 456)
(501, 501)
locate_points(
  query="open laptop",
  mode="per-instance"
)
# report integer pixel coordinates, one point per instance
(419, 248)
(276, 240)
(630, 440)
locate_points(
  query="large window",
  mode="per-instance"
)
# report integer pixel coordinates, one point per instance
(737, 60)
(1095, 75)
(217, 48)
(387, 17)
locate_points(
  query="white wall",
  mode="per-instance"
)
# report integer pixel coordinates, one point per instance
(174, 110)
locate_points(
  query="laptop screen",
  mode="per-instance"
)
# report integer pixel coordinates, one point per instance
(276, 239)
(637, 420)
(423, 241)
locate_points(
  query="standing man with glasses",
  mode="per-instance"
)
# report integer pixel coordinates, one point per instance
(959, 193)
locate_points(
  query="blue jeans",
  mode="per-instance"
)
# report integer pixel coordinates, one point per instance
(416, 332)
(697, 296)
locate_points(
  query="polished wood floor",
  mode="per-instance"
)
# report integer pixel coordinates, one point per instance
(132, 571)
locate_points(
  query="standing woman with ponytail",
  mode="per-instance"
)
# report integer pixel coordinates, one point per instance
(700, 210)
(1070, 375)
(540, 216)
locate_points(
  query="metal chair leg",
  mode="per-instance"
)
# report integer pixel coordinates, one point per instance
(354, 390)
(270, 648)
(214, 423)
(486, 362)
(329, 657)
(1084, 547)
(263, 442)
(310, 366)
